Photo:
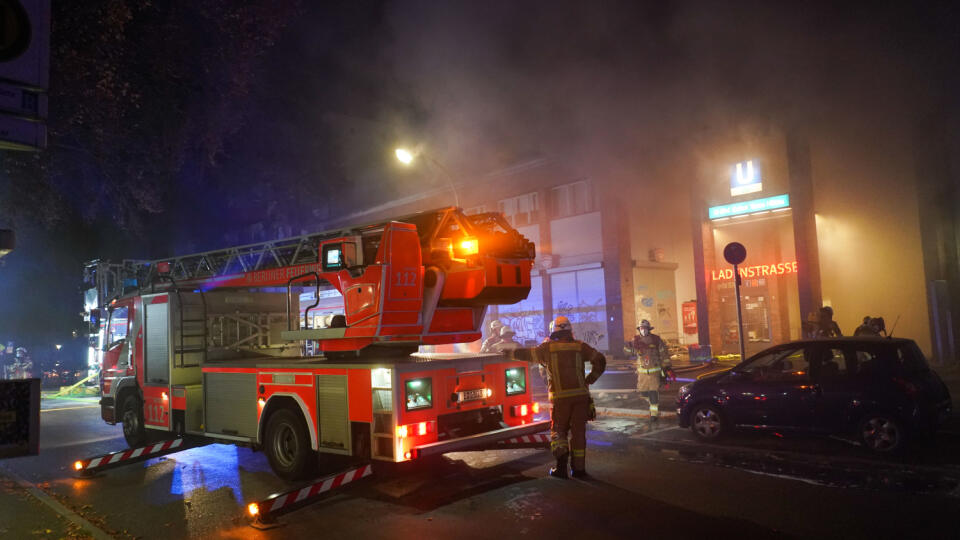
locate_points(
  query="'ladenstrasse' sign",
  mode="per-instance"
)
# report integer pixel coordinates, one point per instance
(749, 207)
(758, 270)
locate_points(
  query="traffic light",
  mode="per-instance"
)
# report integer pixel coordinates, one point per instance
(24, 73)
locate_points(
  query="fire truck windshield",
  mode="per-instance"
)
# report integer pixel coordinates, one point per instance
(118, 325)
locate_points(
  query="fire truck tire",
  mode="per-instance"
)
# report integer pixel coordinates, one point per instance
(131, 416)
(287, 445)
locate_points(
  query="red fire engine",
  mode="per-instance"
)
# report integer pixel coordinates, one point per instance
(223, 344)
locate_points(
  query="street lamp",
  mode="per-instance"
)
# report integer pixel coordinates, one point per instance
(407, 157)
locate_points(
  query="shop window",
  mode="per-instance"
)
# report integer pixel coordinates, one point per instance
(516, 381)
(580, 296)
(526, 316)
(419, 394)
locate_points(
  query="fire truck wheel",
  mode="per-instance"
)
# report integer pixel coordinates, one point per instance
(287, 445)
(131, 415)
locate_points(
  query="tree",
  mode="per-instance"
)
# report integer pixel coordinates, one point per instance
(138, 90)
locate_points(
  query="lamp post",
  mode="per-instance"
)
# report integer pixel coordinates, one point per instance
(407, 157)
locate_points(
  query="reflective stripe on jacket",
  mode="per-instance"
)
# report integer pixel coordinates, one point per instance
(564, 362)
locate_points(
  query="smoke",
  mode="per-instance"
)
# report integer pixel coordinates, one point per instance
(624, 84)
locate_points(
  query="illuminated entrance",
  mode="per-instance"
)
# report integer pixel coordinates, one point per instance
(768, 287)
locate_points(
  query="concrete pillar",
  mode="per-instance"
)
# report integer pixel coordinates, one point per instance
(804, 224)
(617, 267)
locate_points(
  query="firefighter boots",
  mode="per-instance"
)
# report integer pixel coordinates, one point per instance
(560, 471)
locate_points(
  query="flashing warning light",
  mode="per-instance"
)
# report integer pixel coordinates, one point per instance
(488, 392)
(422, 428)
(401, 431)
(253, 509)
(468, 246)
(536, 407)
(407, 455)
(77, 465)
(163, 395)
(261, 402)
(523, 410)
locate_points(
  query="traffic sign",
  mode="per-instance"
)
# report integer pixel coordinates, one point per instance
(734, 253)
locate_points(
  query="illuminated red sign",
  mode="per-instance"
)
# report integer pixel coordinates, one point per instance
(689, 317)
(759, 270)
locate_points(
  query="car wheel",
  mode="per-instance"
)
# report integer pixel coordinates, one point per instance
(287, 445)
(131, 416)
(881, 433)
(707, 423)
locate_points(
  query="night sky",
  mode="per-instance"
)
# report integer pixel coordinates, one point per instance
(287, 115)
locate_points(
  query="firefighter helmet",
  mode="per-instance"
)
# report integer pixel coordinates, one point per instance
(506, 331)
(561, 323)
(645, 324)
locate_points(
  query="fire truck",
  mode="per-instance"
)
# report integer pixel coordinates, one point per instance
(230, 345)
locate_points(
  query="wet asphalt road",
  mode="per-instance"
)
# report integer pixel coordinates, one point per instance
(653, 480)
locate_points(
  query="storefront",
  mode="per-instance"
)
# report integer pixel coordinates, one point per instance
(755, 210)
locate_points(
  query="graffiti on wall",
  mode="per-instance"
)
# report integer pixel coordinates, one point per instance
(588, 321)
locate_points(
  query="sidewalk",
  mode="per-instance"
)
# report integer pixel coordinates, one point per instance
(28, 512)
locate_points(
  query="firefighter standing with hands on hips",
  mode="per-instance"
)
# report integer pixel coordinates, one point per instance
(652, 359)
(564, 358)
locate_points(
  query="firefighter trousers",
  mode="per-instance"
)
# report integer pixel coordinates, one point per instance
(653, 397)
(570, 420)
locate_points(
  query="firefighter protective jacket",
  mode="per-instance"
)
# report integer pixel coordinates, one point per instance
(564, 362)
(652, 353)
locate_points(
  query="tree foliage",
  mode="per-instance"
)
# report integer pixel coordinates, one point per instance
(140, 92)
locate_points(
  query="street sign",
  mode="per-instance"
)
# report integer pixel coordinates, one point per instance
(21, 134)
(22, 102)
(734, 253)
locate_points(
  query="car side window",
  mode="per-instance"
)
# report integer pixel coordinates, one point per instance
(780, 365)
(833, 364)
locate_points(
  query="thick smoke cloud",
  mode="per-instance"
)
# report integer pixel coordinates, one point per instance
(595, 82)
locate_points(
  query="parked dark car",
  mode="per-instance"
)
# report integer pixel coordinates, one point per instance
(879, 390)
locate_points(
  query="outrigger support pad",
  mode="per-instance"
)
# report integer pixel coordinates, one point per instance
(264, 512)
(89, 466)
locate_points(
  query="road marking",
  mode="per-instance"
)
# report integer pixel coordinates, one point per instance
(55, 505)
(71, 408)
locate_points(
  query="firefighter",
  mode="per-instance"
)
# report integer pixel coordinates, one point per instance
(826, 326)
(506, 342)
(564, 358)
(23, 365)
(494, 336)
(652, 359)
